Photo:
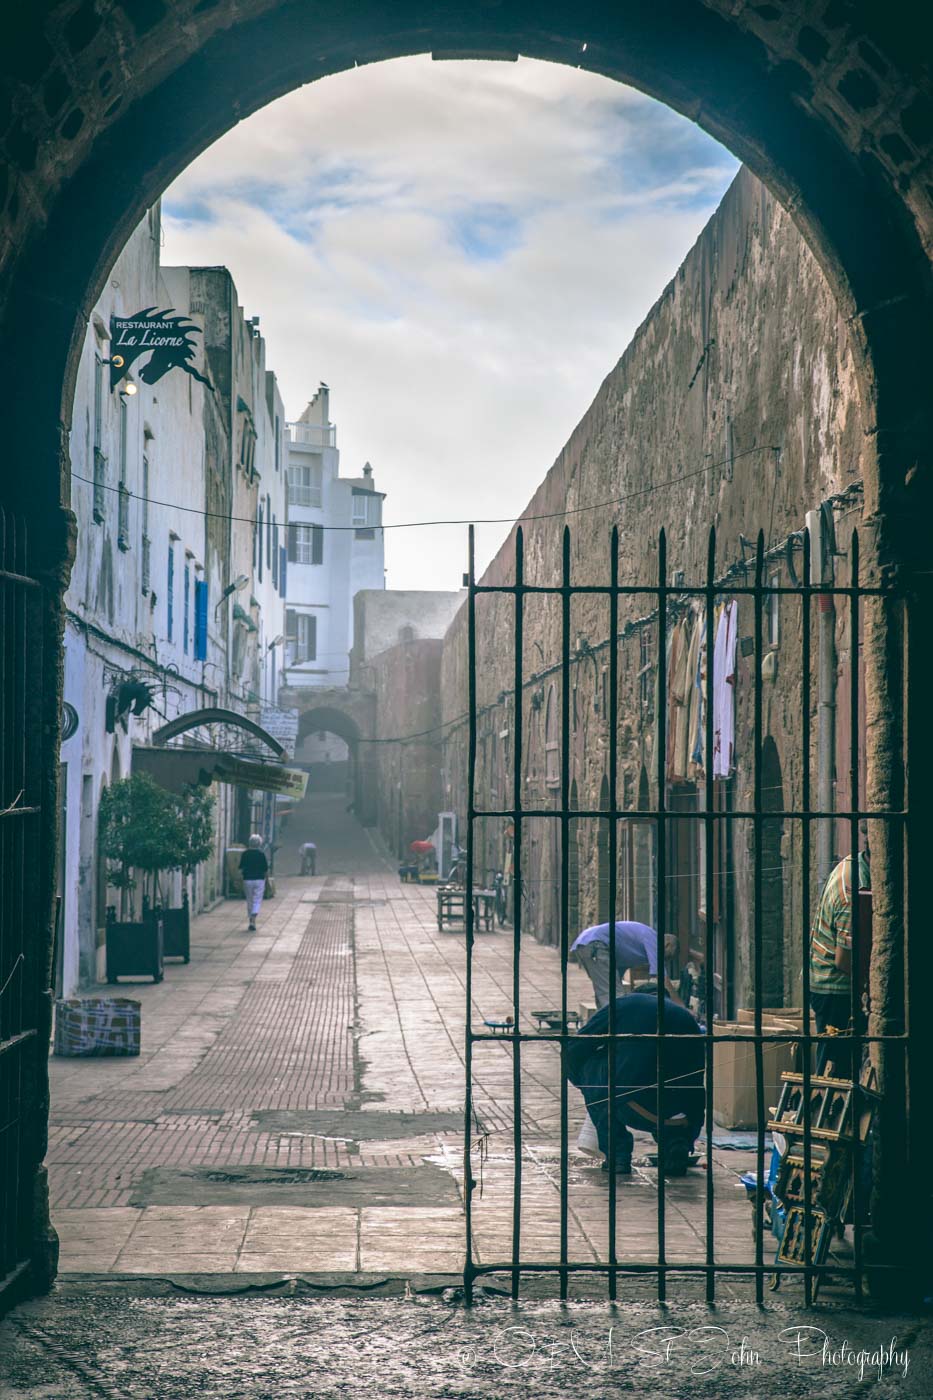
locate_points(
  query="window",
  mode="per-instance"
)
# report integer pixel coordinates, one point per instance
(551, 747)
(200, 620)
(247, 443)
(269, 530)
(644, 666)
(259, 549)
(275, 554)
(300, 637)
(283, 569)
(187, 606)
(170, 598)
(773, 614)
(304, 486)
(144, 538)
(365, 509)
(306, 544)
(278, 443)
(123, 518)
(98, 401)
(123, 495)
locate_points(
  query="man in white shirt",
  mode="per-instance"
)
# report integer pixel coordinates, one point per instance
(636, 946)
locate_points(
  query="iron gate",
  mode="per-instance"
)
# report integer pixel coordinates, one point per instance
(21, 689)
(717, 820)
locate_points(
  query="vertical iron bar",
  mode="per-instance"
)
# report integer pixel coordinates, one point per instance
(855, 988)
(517, 912)
(613, 883)
(468, 1183)
(756, 825)
(662, 893)
(709, 940)
(805, 600)
(564, 891)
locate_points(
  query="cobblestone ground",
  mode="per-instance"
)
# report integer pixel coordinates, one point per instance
(81, 1345)
(294, 1125)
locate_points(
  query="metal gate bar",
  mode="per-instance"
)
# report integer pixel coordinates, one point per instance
(715, 819)
(20, 676)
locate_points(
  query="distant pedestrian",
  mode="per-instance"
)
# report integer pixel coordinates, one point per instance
(309, 858)
(636, 946)
(254, 868)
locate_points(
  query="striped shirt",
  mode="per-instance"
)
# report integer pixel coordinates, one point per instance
(832, 926)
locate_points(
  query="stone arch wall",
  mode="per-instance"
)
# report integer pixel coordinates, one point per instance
(831, 104)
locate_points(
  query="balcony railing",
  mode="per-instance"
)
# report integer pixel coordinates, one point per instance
(313, 434)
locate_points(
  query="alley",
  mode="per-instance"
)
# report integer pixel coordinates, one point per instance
(297, 1106)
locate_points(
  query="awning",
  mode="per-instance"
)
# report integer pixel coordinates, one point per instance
(175, 769)
(195, 719)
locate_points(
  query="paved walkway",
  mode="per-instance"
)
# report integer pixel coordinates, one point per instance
(297, 1108)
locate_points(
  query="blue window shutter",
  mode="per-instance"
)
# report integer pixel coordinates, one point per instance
(260, 546)
(171, 588)
(200, 620)
(283, 569)
(184, 629)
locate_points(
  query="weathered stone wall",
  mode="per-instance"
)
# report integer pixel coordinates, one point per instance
(735, 406)
(406, 682)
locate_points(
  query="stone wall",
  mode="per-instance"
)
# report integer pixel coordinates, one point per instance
(406, 682)
(735, 406)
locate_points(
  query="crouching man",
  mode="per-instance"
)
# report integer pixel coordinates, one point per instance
(636, 1076)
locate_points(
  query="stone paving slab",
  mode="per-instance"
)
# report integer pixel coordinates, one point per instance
(347, 1009)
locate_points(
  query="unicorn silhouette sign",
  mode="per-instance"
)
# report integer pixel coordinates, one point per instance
(166, 338)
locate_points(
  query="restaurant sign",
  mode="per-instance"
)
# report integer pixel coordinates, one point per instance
(167, 338)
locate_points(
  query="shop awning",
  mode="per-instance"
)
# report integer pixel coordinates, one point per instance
(175, 769)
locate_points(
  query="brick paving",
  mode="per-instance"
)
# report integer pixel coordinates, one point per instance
(348, 997)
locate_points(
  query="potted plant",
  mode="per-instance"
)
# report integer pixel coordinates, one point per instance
(189, 841)
(134, 839)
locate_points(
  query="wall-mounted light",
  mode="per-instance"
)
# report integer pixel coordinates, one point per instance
(276, 641)
(130, 387)
(240, 582)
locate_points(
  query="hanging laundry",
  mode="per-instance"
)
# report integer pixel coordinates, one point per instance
(724, 691)
(686, 716)
(675, 656)
(698, 681)
(677, 700)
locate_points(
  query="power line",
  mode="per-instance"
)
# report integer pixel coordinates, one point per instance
(422, 524)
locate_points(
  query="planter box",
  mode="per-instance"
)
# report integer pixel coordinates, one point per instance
(176, 932)
(97, 1026)
(135, 949)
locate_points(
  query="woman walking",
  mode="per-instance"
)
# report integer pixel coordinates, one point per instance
(254, 868)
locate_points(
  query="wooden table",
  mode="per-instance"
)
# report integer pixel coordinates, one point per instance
(451, 907)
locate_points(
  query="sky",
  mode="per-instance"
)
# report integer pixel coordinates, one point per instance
(461, 251)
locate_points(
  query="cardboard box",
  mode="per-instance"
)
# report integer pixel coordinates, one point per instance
(735, 1103)
(97, 1026)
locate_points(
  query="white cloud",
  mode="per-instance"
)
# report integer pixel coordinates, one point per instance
(462, 251)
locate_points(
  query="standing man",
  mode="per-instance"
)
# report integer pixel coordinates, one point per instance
(636, 945)
(254, 868)
(637, 1103)
(831, 960)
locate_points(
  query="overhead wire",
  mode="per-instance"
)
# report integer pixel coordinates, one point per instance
(421, 524)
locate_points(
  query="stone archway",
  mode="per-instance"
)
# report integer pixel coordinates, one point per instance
(350, 715)
(830, 105)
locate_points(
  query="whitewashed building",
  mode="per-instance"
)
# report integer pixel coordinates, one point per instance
(335, 548)
(175, 594)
